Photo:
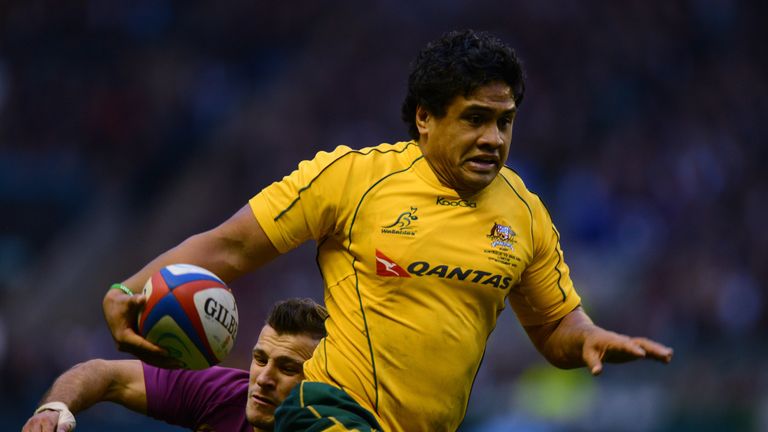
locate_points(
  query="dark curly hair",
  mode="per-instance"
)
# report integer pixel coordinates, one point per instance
(298, 316)
(457, 64)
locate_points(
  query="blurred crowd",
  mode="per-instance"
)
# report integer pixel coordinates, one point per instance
(127, 126)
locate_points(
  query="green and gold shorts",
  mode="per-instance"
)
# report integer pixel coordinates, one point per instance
(316, 407)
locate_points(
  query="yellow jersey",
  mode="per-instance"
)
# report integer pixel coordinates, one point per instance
(415, 276)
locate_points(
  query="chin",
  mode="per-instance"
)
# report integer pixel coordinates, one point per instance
(476, 182)
(262, 422)
(259, 419)
(474, 186)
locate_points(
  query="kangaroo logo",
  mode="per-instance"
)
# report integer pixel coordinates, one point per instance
(404, 220)
(402, 225)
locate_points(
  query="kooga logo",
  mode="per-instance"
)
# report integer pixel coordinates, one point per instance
(443, 201)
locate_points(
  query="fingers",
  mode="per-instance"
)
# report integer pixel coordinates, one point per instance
(623, 349)
(131, 342)
(655, 350)
(633, 348)
(160, 360)
(611, 347)
(592, 359)
(606, 346)
(148, 352)
(43, 422)
(121, 312)
(135, 304)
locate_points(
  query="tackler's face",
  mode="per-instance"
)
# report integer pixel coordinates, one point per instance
(467, 147)
(276, 367)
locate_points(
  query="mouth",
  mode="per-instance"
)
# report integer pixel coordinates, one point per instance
(483, 163)
(263, 400)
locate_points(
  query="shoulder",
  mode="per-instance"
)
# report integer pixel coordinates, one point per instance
(213, 377)
(515, 183)
(218, 376)
(343, 155)
(342, 163)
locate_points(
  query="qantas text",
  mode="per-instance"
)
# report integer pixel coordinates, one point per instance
(423, 268)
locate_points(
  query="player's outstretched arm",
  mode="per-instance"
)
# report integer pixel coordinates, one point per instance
(230, 250)
(575, 341)
(119, 381)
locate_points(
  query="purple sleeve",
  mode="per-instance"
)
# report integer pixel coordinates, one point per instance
(213, 397)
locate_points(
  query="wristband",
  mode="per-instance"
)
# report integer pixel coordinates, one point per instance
(66, 418)
(122, 288)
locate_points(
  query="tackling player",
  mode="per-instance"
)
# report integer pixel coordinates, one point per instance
(214, 399)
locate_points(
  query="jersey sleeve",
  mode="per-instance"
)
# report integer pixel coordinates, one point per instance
(545, 292)
(304, 205)
(188, 398)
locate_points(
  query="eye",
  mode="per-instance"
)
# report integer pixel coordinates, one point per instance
(289, 372)
(291, 369)
(259, 360)
(475, 120)
(505, 121)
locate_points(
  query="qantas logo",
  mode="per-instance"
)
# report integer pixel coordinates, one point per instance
(386, 267)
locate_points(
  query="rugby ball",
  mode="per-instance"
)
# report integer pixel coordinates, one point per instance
(191, 313)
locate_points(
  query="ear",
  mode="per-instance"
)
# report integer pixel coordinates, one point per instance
(422, 120)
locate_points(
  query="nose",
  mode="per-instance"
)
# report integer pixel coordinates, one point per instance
(491, 136)
(266, 377)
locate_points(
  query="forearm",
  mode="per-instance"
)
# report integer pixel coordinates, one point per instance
(95, 381)
(575, 341)
(230, 250)
(562, 344)
(200, 250)
(565, 347)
